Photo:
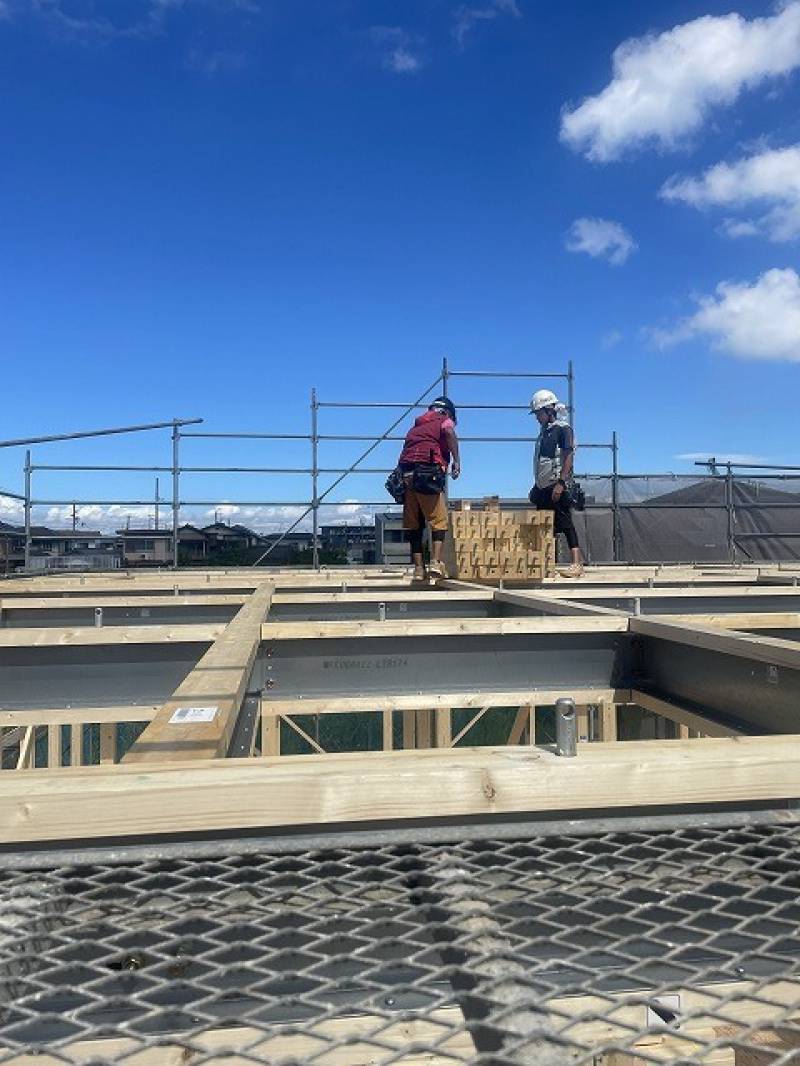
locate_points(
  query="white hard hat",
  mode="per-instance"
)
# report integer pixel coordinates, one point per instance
(543, 398)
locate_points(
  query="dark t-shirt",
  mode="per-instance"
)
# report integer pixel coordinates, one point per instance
(555, 440)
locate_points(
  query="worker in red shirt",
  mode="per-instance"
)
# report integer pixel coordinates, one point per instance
(431, 446)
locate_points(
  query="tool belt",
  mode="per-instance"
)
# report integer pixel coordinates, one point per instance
(396, 485)
(428, 479)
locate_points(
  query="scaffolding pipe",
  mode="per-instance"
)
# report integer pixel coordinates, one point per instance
(27, 509)
(98, 432)
(358, 461)
(249, 436)
(729, 506)
(314, 480)
(176, 436)
(502, 374)
(145, 469)
(421, 406)
(614, 498)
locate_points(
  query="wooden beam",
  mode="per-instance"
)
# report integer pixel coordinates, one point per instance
(360, 1040)
(108, 742)
(135, 603)
(27, 749)
(417, 701)
(683, 716)
(444, 727)
(78, 715)
(734, 620)
(120, 801)
(519, 726)
(388, 730)
(770, 650)
(54, 746)
(315, 746)
(270, 734)
(217, 684)
(607, 717)
(75, 745)
(442, 627)
(473, 721)
(80, 636)
(405, 595)
(553, 604)
(409, 730)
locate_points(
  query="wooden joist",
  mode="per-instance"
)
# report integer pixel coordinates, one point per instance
(88, 603)
(78, 715)
(230, 794)
(198, 721)
(682, 715)
(84, 636)
(455, 700)
(443, 627)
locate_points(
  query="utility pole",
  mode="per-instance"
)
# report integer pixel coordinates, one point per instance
(74, 518)
(157, 516)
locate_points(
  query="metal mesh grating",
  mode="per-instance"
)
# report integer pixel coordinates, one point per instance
(622, 947)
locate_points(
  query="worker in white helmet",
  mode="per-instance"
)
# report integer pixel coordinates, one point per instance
(552, 472)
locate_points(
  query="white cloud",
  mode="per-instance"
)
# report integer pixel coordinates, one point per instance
(466, 18)
(752, 321)
(600, 238)
(263, 519)
(664, 85)
(611, 339)
(770, 178)
(738, 227)
(399, 51)
(402, 61)
(100, 20)
(10, 509)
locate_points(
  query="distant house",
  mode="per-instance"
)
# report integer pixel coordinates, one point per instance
(58, 549)
(12, 547)
(146, 547)
(356, 541)
(220, 537)
(192, 543)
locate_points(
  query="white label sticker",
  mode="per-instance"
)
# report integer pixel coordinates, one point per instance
(183, 715)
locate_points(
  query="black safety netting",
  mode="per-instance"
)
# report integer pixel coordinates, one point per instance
(688, 518)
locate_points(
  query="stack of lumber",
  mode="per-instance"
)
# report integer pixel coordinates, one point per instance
(491, 544)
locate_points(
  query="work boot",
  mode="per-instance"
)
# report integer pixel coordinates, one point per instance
(575, 570)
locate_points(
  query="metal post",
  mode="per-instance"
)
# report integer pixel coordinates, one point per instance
(614, 497)
(571, 394)
(156, 516)
(566, 728)
(729, 508)
(98, 617)
(314, 480)
(27, 510)
(176, 436)
(445, 375)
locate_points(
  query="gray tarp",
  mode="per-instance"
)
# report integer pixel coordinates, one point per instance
(673, 519)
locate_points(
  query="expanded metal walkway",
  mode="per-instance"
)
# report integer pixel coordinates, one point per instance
(647, 944)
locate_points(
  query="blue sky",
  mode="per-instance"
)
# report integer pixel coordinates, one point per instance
(209, 206)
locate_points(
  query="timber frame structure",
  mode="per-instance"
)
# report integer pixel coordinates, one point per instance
(197, 867)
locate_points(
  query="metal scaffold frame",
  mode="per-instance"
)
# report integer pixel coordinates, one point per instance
(312, 506)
